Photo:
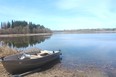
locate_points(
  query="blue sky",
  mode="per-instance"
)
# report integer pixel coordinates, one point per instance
(61, 14)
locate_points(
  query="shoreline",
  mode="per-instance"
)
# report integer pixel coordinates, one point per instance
(19, 35)
(79, 32)
(58, 71)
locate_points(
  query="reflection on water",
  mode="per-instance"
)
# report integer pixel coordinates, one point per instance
(24, 41)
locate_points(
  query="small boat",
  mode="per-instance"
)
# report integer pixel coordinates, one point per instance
(23, 62)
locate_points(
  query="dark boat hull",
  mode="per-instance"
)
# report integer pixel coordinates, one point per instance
(21, 66)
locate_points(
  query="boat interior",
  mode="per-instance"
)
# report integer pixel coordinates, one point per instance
(30, 55)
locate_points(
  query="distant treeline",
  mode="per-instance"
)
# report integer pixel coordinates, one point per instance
(22, 27)
(104, 30)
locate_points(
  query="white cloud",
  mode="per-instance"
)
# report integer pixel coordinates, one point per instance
(100, 11)
(99, 8)
(67, 4)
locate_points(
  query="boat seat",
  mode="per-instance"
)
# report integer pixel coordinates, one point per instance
(43, 54)
(35, 56)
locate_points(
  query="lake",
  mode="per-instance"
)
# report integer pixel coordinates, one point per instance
(79, 51)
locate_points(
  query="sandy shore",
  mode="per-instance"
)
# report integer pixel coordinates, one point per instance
(18, 35)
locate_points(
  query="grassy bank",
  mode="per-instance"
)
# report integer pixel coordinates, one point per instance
(18, 35)
(5, 51)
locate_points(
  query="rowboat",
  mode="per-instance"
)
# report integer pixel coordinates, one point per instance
(23, 62)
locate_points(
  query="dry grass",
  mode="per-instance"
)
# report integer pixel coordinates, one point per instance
(5, 51)
(3, 72)
(19, 35)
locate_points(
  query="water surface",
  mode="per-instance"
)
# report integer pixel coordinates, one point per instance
(79, 51)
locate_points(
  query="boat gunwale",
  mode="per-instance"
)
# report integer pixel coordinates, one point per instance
(5, 60)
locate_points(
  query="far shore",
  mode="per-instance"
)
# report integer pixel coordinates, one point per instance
(19, 35)
(55, 32)
(82, 32)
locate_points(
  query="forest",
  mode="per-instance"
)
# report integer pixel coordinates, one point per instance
(22, 27)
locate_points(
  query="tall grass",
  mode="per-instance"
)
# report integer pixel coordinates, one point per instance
(5, 51)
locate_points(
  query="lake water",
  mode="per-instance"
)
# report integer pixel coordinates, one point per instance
(79, 51)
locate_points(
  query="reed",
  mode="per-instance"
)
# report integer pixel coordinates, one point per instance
(5, 51)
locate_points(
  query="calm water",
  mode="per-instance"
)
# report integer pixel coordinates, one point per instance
(79, 51)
